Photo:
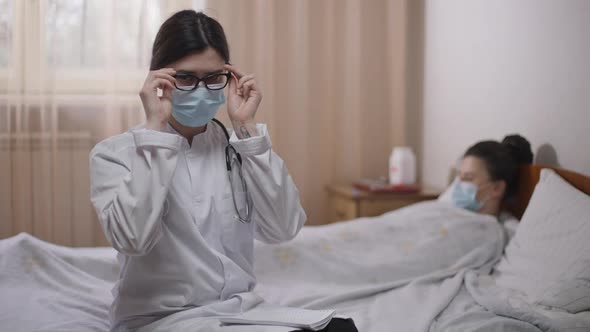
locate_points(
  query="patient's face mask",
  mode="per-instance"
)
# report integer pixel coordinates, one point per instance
(196, 108)
(464, 195)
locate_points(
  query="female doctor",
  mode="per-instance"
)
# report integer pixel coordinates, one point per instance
(180, 198)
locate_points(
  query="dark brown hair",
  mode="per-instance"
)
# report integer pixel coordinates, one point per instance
(184, 33)
(503, 159)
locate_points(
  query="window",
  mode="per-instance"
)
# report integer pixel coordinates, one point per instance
(76, 46)
(93, 33)
(6, 13)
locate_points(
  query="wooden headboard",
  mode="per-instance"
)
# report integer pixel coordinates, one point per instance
(528, 178)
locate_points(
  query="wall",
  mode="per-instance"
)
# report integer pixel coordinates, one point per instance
(498, 67)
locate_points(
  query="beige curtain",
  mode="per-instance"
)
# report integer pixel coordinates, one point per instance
(332, 72)
(69, 75)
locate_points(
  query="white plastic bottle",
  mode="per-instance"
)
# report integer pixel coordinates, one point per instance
(402, 166)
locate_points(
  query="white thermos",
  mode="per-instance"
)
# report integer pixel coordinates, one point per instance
(402, 166)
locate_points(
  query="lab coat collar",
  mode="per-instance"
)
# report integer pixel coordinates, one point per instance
(199, 139)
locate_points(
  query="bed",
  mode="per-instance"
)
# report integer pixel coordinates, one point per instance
(426, 267)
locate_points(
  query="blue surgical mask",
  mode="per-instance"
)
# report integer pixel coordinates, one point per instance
(464, 195)
(196, 108)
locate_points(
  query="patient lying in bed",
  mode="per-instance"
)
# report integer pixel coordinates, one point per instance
(352, 261)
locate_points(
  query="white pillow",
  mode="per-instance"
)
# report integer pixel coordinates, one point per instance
(446, 195)
(548, 260)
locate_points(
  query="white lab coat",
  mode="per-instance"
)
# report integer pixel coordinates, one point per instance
(167, 208)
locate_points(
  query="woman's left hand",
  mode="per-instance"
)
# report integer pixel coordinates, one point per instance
(244, 97)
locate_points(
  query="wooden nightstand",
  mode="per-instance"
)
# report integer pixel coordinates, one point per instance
(347, 202)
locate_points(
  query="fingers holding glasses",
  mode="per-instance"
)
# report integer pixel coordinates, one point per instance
(160, 78)
(165, 75)
(158, 108)
(250, 89)
(235, 71)
(238, 79)
(245, 84)
(242, 84)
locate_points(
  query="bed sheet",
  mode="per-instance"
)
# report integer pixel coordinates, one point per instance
(399, 269)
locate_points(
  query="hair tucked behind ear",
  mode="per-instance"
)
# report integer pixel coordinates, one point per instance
(503, 160)
(186, 32)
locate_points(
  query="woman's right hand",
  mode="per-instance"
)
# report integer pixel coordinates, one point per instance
(158, 109)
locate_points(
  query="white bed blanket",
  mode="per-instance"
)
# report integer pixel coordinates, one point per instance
(44, 287)
(398, 271)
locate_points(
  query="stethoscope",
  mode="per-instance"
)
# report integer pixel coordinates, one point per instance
(230, 155)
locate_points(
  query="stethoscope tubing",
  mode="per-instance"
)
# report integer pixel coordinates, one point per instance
(229, 149)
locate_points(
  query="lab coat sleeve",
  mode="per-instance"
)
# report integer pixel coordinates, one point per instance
(129, 184)
(277, 209)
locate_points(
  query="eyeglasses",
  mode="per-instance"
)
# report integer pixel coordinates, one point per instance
(189, 82)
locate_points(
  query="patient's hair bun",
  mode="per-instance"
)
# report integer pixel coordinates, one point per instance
(519, 148)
